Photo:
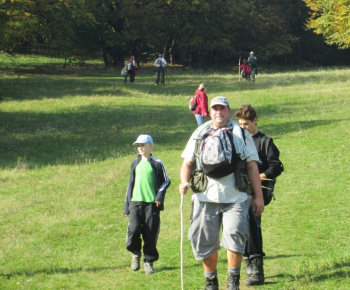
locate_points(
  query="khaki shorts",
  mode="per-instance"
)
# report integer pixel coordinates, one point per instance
(207, 218)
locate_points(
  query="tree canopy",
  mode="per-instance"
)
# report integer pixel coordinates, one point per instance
(332, 20)
(188, 32)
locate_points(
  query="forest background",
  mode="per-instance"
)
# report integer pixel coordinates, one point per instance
(198, 33)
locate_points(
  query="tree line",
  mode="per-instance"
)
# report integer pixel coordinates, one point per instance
(188, 32)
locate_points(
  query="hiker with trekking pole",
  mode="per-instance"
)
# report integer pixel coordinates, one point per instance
(210, 160)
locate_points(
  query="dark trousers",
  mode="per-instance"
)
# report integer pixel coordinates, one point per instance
(132, 76)
(144, 220)
(254, 245)
(160, 74)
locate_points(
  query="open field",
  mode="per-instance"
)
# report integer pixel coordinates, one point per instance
(66, 148)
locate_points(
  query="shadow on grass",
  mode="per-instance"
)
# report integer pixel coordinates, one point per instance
(280, 257)
(94, 133)
(79, 270)
(61, 271)
(337, 271)
(30, 85)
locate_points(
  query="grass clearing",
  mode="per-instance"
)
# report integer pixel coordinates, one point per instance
(66, 149)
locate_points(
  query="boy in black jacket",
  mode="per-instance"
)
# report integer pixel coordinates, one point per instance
(269, 168)
(144, 200)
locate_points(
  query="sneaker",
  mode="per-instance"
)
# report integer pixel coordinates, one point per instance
(135, 262)
(233, 281)
(149, 268)
(211, 283)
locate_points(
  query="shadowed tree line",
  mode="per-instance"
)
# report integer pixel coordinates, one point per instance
(194, 33)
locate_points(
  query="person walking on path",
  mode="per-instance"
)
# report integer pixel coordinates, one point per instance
(270, 167)
(160, 64)
(252, 61)
(221, 204)
(144, 200)
(201, 111)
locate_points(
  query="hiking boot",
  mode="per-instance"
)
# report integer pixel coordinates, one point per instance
(233, 281)
(149, 268)
(248, 266)
(257, 276)
(211, 283)
(135, 262)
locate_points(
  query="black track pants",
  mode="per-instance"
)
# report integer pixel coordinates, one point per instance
(254, 245)
(144, 221)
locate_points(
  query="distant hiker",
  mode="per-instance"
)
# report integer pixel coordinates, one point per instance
(270, 167)
(130, 69)
(201, 110)
(252, 61)
(160, 64)
(144, 200)
(245, 70)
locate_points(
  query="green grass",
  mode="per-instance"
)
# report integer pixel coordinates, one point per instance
(65, 152)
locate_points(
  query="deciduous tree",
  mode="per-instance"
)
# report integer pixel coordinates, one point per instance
(332, 20)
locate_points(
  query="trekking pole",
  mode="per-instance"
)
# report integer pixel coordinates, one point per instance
(167, 76)
(182, 241)
(239, 69)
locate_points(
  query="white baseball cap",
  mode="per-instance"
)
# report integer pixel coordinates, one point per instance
(222, 101)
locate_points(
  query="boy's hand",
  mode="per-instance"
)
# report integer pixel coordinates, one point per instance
(126, 215)
(158, 203)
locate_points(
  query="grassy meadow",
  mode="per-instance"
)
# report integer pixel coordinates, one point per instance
(65, 152)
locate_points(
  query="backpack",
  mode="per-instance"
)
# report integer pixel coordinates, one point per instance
(158, 62)
(130, 65)
(193, 103)
(217, 153)
(267, 185)
(199, 179)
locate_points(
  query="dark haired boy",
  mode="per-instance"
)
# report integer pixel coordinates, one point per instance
(269, 167)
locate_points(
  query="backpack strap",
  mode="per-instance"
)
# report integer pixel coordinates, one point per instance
(264, 144)
(243, 134)
(198, 134)
(264, 147)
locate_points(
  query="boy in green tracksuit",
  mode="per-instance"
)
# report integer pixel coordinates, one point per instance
(144, 200)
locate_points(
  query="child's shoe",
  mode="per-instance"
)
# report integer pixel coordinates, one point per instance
(149, 268)
(135, 262)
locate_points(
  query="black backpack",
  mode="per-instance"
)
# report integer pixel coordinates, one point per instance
(267, 185)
